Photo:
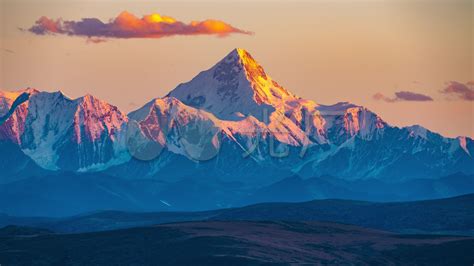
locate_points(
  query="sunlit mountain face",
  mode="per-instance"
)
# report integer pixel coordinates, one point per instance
(232, 130)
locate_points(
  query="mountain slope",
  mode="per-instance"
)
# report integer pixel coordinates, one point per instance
(15, 165)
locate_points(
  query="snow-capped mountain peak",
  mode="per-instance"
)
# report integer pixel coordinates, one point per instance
(266, 90)
(97, 116)
(62, 133)
(237, 86)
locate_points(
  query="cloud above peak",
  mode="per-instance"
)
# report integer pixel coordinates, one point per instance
(403, 96)
(460, 90)
(127, 25)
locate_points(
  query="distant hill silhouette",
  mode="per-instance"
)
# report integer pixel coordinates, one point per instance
(442, 216)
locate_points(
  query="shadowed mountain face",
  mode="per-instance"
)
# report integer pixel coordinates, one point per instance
(15, 165)
(236, 243)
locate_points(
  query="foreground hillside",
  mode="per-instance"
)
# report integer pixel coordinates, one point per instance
(235, 243)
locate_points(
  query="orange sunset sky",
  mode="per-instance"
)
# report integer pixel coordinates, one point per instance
(326, 51)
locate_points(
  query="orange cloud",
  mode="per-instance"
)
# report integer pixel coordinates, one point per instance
(127, 25)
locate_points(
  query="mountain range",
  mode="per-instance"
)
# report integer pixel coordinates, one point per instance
(230, 124)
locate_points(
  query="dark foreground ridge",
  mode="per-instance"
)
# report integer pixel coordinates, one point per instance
(236, 243)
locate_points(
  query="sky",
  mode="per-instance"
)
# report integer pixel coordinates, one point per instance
(411, 62)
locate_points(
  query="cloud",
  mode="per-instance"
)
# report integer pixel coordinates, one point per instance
(95, 40)
(403, 96)
(127, 25)
(460, 90)
(8, 51)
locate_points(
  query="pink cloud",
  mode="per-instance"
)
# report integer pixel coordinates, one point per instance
(403, 96)
(460, 90)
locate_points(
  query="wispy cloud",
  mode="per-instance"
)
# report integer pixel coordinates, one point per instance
(460, 90)
(127, 25)
(8, 51)
(95, 40)
(403, 96)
